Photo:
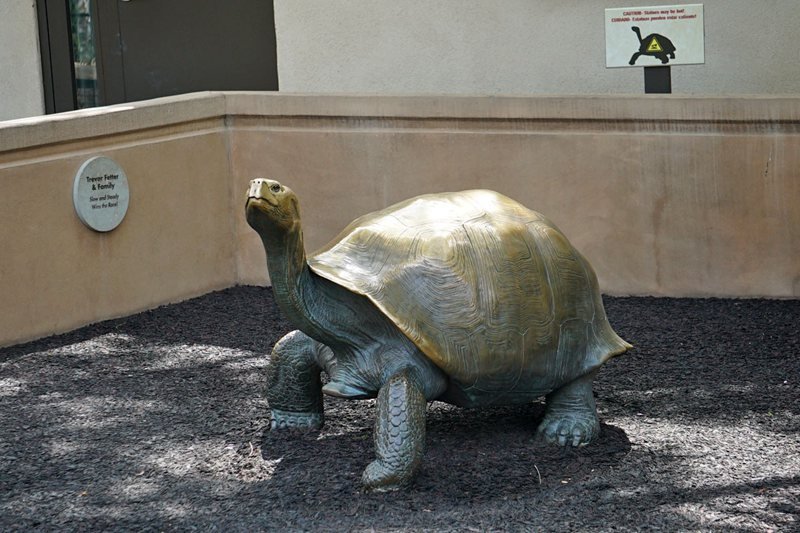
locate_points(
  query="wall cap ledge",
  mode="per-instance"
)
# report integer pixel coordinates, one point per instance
(162, 112)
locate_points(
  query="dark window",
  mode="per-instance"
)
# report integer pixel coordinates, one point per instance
(111, 51)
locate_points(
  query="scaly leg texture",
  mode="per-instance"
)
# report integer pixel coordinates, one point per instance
(294, 389)
(399, 435)
(571, 414)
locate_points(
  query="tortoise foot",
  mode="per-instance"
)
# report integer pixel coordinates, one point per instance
(294, 389)
(399, 435)
(380, 477)
(571, 415)
(288, 420)
(569, 428)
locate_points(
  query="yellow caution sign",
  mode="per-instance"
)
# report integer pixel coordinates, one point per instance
(654, 46)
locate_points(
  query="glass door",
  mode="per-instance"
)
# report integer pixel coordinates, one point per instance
(84, 53)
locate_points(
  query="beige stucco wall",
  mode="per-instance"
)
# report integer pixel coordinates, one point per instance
(518, 47)
(57, 274)
(21, 79)
(665, 195)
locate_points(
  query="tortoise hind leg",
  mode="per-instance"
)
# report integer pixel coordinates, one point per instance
(571, 414)
(399, 435)
(294, 389)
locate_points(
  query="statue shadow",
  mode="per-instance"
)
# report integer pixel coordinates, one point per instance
(488, 453)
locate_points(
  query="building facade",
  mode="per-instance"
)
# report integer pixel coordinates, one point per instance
(453, 47)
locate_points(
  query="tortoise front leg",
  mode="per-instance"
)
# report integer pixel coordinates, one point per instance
(294, 389)
(399, 434)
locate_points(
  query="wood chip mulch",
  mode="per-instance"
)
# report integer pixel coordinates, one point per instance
(158, 422)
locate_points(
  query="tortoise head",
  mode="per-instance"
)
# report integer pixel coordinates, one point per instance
(271, 207)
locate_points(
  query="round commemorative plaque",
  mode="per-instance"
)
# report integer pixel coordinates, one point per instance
(100, 193)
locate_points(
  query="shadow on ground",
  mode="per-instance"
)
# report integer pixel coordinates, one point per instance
(158, 421)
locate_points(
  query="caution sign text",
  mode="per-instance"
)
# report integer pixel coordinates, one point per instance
(655, 35)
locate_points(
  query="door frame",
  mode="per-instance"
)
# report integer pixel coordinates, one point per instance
(55, 45)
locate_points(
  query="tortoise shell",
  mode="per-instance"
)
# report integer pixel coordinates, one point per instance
(490, 291)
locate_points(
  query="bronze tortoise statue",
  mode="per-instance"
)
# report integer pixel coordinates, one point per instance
(468, 298)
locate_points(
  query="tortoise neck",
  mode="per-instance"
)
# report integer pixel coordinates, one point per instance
(288, 272)
(301, 295)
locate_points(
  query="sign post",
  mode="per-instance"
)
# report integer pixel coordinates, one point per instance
(657, 80)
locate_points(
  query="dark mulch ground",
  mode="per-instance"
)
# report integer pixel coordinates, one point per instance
(158, 422)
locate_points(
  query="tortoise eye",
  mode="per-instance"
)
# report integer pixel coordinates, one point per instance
(275, 188)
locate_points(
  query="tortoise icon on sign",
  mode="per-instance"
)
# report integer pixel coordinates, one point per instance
(655, 45)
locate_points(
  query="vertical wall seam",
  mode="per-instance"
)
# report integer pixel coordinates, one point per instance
(235, 261)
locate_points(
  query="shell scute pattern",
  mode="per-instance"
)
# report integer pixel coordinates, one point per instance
(490, 291)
